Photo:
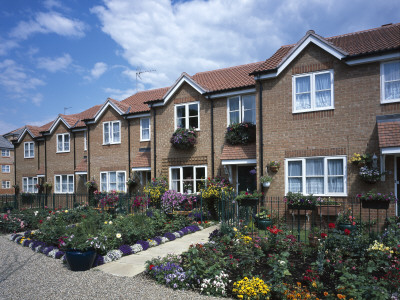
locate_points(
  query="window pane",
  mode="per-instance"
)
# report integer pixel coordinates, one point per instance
(59, 143)
(103, 182)
(145, 123)
(392, 71)
(249, 116)
(234, 104)
(392, 90)
(194, 122)
(314, 166)
(335, 167)
(116, 135)
(303, 101)
(188, 173)
(234, 117)
(315, 185)
(176, 174)
(26, 150)
(180, 111)
(295, 168)
(145, 134)
(336, 184)
(31, 152)
(295, 185)
(58, 184)
(323, 99)
(121, 181)
(64, 185)
(323, 82)
(70, 183)
(66, 142)
(106, 133)
(180, 123)
(303, 84)
(193, 110)
(249, 102)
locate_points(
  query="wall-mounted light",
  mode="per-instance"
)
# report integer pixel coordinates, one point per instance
(375, 161)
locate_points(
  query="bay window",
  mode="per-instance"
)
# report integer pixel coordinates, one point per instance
(316, 175)
(187, 179)
(313, 91)
(64, 184)
(390, 82)
(113, 181)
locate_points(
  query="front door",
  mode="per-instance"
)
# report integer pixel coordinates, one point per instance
(247, 180)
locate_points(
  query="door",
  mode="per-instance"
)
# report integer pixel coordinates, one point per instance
(246, 178)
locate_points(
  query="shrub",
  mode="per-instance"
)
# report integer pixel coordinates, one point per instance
(241, 133)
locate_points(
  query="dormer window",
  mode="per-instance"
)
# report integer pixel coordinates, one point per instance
(111, 132)
(187, 115)
(63, 142)
(29, 150)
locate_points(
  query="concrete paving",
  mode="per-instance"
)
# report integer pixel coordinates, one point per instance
(134, 264)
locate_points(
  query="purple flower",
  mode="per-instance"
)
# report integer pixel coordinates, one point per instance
(157, 239)
(99, 260)
(145, 245)
(125, 249)
(47, 250)
(170, 236)
(59, 254)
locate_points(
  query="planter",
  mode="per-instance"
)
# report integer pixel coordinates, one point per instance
(350, 227)
(301, 206)
(328, 210)
(262, 224)
(274, 169)
(248, 202)
(80, 261)
(266, 184)
(375, 204)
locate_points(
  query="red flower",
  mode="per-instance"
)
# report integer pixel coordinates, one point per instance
(331, 225)
(206, 222)
(346, 232)
(151, 267)
(49, 211)
(246, 193)
(324, 235)
(199, 222)
(40, 221)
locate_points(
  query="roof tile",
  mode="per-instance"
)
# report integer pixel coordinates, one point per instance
(239, 151)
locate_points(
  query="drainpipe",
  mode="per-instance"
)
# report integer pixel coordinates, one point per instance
(38, 155)
(45, 159)
(129, 147)
(260, 127)
(15, 164)
(212, 137)
(73, 135)
(88, 152)
(154, 141)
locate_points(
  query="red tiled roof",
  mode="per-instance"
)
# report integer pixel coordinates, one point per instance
(82, 166)
(137, 101)
(355, 43)
(227, 78)
(389, 133)
(239, 151)
(142, 160)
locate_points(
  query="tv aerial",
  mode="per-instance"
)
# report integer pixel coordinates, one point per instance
(139, 73)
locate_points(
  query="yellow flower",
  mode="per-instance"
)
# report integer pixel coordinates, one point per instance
(66, 210)
(105, 222)
(314, 284)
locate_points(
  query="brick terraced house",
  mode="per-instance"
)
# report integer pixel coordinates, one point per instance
(314, 104)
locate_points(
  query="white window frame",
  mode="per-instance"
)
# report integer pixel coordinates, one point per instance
(303, 176)
(108, 181)
(241, 108)
(186, 105)
(143, 128)
(85, 140)
(58, 188)
(26, 186)
(5, 184)
(5, 153)
(63, 146)
(195, 167)
(111, 133)
(30, 146)
(383, 100)
(4, 169)
(312, 91)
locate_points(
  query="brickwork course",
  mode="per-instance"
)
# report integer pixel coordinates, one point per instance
(358, 122)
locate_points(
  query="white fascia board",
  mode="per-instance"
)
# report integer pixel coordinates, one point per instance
(266, 76)
(55, 123)
(103, 109)
(375, 58)
(141, 169)
(390, 150)
(239, 161)
(26, 130)
(81, 173)
(139, 116)
(79, 129)
(178, 85)
(156, 104)
(40, 175)
(234, 93)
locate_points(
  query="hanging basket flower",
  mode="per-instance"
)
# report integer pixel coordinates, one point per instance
(370, 175)
(241, 133)
(184, 138)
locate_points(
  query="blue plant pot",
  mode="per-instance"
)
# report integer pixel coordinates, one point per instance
(80, 261)
(262, 224)
(347, 226)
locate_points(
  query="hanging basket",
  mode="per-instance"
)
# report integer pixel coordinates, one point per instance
(375, 204)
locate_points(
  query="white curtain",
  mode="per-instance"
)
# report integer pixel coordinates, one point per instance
(116, 136)
(392, 80)
(112, 180)
(294, 174)
(66, 142)
(106, 132)
(315, 168)
(70, 183)
(335, 176)
(103, 182)
(303, 94)
(176, 174)
(64, 179)
(121, 181)
(323, 90)
(234, 110)
(249, 108)
(59, 143)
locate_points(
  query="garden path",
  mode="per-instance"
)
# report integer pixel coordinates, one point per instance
(133, 265)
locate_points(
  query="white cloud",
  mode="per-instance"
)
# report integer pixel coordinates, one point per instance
(6, 127)
(49, 22)
(41, 122)
(54, 64)
(37, 99)
(118, 94)
(50, 4)
(6, 46)
(98, 69)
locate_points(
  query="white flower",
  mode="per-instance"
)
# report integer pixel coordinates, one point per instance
(36, 212)
(118, 235)
(110, 222)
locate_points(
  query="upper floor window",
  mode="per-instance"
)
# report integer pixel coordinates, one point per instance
(313, 91)
(63, 142)
(187, 179)
(242, 109)
(85, 140)
(29, 151)
(316, 175)
(113, 181)
(112, 132)
(145, 129)
(5, 153)
(390, 82)
(5, 169)
(64, 184)
(29, 184)
(187, 115)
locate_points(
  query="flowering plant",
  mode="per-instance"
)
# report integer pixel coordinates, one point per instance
(265, 178)
(361, 159)
(254, 288)
(241, 133)
(214, 187)
(346, 217)
(247, 195)
(155, 189)
(373, 196)
(370, 175)
(263, 214)
(140, 202)
(130, 182)
(184, 138)
(91, 184)
(298, 199)
(107, 199)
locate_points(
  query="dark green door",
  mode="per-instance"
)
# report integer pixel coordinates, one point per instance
(246, 178)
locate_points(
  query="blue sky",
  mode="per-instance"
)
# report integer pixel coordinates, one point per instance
(74, 54)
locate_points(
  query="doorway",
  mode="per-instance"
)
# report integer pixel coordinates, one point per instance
(246, 178)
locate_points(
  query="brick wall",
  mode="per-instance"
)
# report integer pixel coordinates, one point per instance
(7, 161)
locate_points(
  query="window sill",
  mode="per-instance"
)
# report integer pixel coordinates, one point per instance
(63, 152)
(112, 144)
(29, 157)
(390, 101)
(312, 110)
(145, 140)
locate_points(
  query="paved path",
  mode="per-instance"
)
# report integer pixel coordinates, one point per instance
(134, 264)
